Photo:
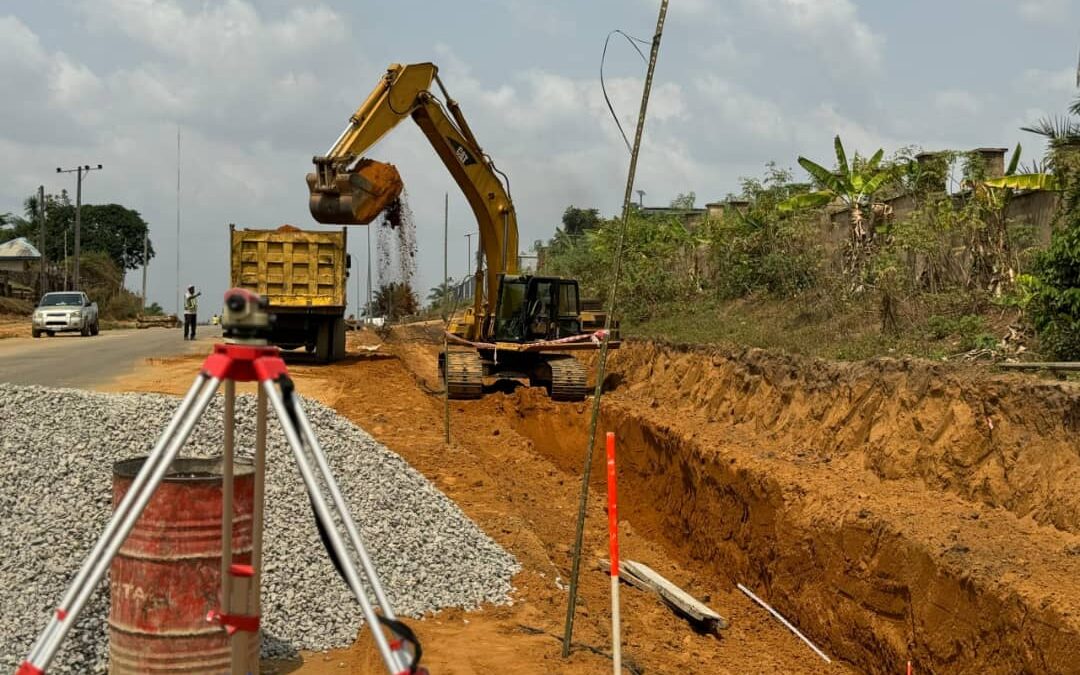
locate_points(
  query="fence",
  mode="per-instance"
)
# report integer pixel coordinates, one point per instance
(27, 285)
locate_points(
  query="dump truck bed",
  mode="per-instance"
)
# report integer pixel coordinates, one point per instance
(293, 268)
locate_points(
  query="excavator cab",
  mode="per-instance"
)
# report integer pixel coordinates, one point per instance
(536, 308)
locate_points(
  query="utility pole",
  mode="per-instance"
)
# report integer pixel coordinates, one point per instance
(41, 239)
(79, 171)
(145, 246)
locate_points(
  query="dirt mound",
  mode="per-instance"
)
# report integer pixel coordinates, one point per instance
(1004, 440)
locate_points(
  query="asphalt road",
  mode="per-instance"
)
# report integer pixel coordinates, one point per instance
(69, 360)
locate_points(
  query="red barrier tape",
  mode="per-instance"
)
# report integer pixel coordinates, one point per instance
(596, 338)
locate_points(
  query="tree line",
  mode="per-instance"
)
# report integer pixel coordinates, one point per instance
(111, 229)
(956, 237)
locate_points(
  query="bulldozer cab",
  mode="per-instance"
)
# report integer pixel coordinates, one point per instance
(536, 308)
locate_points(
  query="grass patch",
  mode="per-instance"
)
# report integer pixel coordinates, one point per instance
(16, 306)
(934, 327)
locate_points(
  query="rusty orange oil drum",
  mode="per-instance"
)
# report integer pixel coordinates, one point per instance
(167, 575)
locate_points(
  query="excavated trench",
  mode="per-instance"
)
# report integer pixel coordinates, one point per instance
(892, 510)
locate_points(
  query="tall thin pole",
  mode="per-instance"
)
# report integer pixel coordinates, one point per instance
(369, 317)
(360, 298)
(446, 317)
(468, 254)
(78, 225)
(178, 220)
(41, 239)
(79, 172)
(575, 568)
(145, 246)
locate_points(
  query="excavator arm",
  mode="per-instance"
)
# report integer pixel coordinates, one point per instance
(346, 188)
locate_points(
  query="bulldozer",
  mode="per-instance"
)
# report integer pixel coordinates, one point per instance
(518, 326)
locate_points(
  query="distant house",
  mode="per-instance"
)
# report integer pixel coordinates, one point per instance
(18, 255)
(692, 217)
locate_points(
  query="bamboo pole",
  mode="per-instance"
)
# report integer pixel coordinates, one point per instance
(575, 569)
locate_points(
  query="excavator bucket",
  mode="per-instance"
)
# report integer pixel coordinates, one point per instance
(353, 197)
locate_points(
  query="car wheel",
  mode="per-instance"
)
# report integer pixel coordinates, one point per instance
(35, 332)
(85, 330)
(50, 333)
(95, 329)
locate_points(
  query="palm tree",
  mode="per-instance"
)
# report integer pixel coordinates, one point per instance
(853, 185)
(438, 294)
(1057, 128)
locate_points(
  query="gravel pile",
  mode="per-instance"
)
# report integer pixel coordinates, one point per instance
(57, 448)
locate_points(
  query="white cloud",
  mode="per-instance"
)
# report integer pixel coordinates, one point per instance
(738, 110)
(1044, 11)
(539, 15)
(857, 136)
(723, 52)
(1053, 82)
(956, 102)
(831, 28)
(229, 36)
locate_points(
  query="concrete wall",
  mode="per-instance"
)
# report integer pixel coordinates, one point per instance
(14, 265)
(1037, 210)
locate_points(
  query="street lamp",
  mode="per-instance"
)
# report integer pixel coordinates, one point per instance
(78, 171)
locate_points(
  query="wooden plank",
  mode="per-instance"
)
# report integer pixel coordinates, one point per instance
(1042, 365)
(644, 577)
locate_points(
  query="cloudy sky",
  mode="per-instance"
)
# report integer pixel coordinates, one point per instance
(257, 88)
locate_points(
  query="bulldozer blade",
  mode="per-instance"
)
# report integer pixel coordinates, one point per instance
(354, 197)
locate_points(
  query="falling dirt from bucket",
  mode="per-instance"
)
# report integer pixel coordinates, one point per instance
(397, 243)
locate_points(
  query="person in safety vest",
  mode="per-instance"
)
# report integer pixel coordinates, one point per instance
(191, 311)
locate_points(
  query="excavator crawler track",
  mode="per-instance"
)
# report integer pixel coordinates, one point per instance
(569, 379)
(464, 374)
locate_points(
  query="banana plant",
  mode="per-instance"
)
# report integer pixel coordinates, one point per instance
(854, 187)
(1003, 187)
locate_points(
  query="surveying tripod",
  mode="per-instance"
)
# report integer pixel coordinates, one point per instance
(244, 357)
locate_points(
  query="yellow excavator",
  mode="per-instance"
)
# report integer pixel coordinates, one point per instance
(519, 326)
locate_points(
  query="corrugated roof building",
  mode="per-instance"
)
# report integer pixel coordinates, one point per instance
(17, 254)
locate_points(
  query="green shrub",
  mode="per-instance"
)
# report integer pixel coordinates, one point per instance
(970, 329)
(103, 282)
(1055, 302)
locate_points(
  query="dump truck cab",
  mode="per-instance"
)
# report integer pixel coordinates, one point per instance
(531, 308)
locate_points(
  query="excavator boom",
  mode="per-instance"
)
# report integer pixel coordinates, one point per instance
(519, 326)
(346, 188)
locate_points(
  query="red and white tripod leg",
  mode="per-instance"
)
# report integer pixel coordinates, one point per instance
(397, 662)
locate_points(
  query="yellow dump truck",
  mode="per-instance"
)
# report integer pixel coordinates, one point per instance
(303, 273)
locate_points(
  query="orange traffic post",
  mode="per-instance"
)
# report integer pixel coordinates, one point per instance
(613, 546)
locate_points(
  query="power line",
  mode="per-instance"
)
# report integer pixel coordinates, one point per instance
(603, 57)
